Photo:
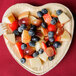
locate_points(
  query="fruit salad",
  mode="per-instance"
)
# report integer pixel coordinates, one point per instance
(38, 37)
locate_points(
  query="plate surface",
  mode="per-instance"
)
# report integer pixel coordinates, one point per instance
(21, 7)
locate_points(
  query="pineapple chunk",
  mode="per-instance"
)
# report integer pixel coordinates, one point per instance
(35, 62)
(63, 18)
(43, 57)
(24, 14)
(10, 17)
(25, 37)
(10, 38)
(38, 46)
(65, 36)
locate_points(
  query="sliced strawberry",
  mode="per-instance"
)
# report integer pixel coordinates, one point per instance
(52, 28)
(57, 38)
(18, 45)
(47, 18)
(44, 31)
(44, 47)
(18, 38)
(28, 57)
(46, 38)
(50, 51)
(14, 25)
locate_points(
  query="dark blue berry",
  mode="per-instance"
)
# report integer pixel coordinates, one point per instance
(50, 58)
(53, 21)
(35, 54)
(56, 44)
(41, 51)
(48, 43)
(51, 39)
(50, 34)
(40, 14)
(16, 32)
(23, 26)
(44, 11)
(20, 30)
(33, 27)
(23, 46)
(23, 60)
(44, 25)
(58, 12)
(35, 38)
(31, 33)
(32, 43)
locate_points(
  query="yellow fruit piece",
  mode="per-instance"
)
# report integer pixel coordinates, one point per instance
(10, 38)
(24, 14)
(63, 18)
(65, 36)
(25, 37)
(35, 62)
(11, 18)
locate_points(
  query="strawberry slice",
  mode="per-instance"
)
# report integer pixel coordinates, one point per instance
(44, 47)
(50, 51)
(52, 28)
(28, 57)
(47, 18)
(18, 45)
(46, 38)
(14, 25)
(57, 38)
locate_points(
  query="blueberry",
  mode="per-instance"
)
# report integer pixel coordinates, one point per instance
(56, 44)
(48, 43)
(16, 32)
(41, 51)
(32, 43)
(44, 25)
(20, 30)
(23, 26)
(23, 46)
(33, 27)
(51, 58)
(40, 14)
(53, 21)
(31, 33)
(44, 11)
(35, 54)
(35, 38)
(50, 34)
(58, 12)
(51, 39)
(23, 60)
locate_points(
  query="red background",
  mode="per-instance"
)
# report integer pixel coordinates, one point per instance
(9, 67)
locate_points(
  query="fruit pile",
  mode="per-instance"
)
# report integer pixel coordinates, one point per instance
(38, 37)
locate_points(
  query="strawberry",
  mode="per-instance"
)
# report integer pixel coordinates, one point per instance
(52, 28)
(14, 25)
(44, 47)
(28, 57)
(46, 38)
(57, 38)
(47, 18)
(18, 45)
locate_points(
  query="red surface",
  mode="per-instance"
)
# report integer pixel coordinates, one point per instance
(9, 67)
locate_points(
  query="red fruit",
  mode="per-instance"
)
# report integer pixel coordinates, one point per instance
(18, 44)
(38, 33)
(52, 28)
(28, 57)
(44, 47)
(59, 31)
(24, 21)
(47, 18)
(57, 38)
(44, 31)
(29, 51)
(46, 38)
(50, 51)
(18, 38)
(14, 25)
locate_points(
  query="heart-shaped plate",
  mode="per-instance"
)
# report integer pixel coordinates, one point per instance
(21, 7)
